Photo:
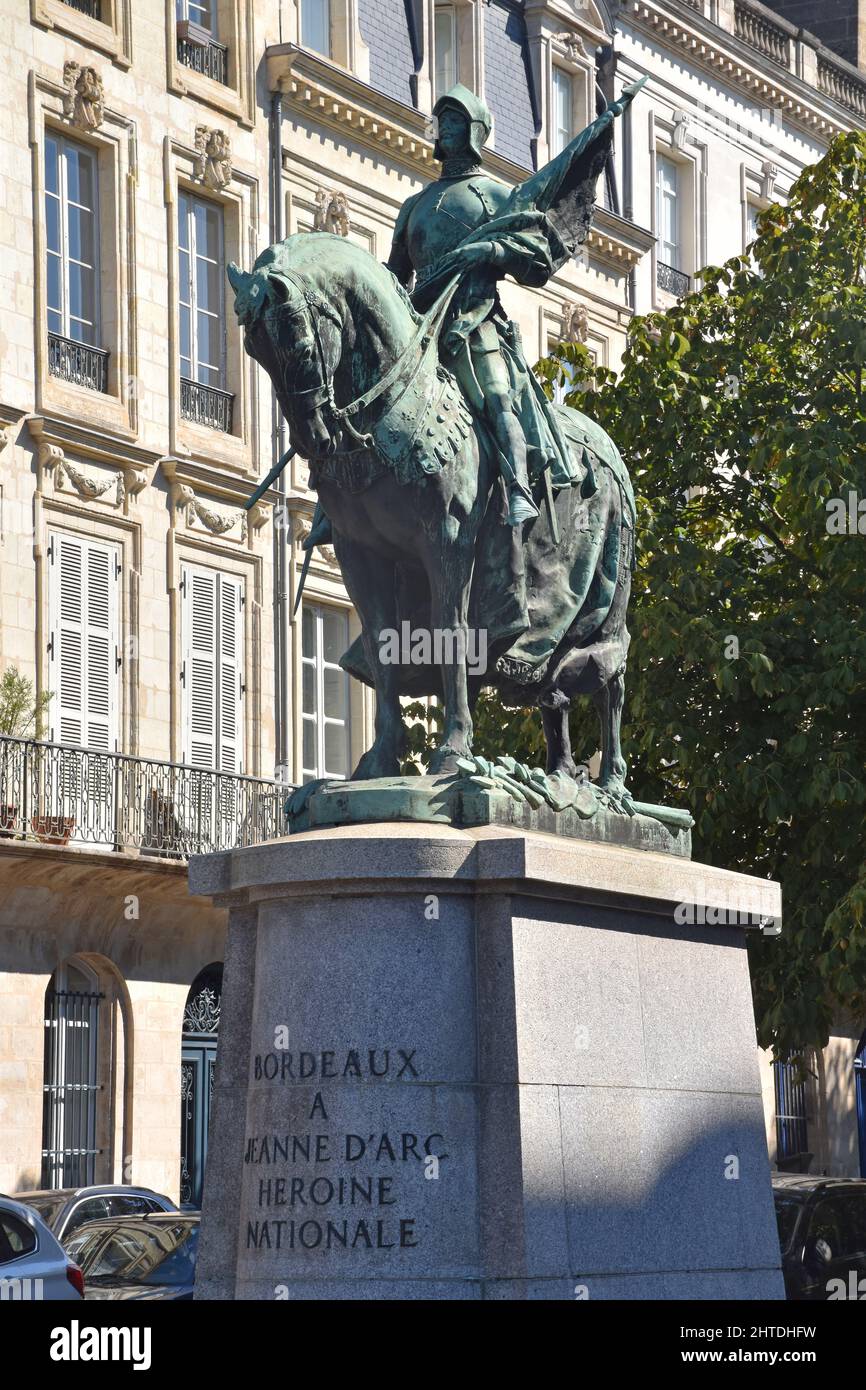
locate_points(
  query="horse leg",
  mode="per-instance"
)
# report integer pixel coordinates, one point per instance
(557, 736)
(608, 701)
(369, 581)
(450, 578)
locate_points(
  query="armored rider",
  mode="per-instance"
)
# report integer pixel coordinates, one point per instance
(479, 342)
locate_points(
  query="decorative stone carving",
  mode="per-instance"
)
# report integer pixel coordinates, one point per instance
(769, 174)
(574, 326)
(332, 212)
(90, 486)
(573, 45)
(84, 98)
(681, 132)
(213, 161)
(301, 529)
(218, 521)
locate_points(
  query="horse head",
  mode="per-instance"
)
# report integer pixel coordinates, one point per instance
(295, 332)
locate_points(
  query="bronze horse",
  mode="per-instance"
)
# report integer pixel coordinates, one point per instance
(409, 482)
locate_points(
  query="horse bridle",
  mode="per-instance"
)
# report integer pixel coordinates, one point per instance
(322, 394)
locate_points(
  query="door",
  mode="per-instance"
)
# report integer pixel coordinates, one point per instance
(198, 1060)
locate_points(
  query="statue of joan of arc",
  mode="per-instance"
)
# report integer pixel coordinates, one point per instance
(468, 224)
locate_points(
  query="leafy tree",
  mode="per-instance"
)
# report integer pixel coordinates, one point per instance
(741, 415)
(21, 714)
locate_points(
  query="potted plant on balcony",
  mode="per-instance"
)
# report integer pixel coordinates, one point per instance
(21, 716)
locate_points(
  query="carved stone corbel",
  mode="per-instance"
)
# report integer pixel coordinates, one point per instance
(769, 174)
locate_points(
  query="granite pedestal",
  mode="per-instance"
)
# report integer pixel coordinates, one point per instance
(484, 1063)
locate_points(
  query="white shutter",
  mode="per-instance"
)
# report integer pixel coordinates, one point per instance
(83, 602)
(213, 650)
(199, 666)
(231, 649)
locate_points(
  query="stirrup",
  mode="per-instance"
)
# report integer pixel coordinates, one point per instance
(520, 505)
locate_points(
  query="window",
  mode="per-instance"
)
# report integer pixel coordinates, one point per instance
(212, 669)
(445, 48)
(791, 1121)
(562, 111)
(16, 1238)
(316, 26)
(200, 12)
(325, 693)
(71, 240)
(197, 43)
(84, 645)
(668, 211)
(201, 280)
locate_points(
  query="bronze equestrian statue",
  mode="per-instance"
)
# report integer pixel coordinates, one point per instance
(455, 494)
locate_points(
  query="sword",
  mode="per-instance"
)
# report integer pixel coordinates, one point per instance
(271, 478)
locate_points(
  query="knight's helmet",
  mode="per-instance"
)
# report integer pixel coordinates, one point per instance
(460, 98)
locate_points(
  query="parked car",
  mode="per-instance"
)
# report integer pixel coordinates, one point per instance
(138, 1257)
(33, 1263)
(67, 1208)
(822, 1232)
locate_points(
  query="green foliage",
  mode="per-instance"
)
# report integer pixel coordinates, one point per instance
(741, 415)
(21, 715)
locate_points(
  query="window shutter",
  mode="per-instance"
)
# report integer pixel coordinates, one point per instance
(231, 648)
(84, 623)
(200, 667)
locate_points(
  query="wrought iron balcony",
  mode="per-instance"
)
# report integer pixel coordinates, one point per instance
(197, 49)
(78, 362)
(62, 795)
(92, 8)
(673, 281)
(206, 405)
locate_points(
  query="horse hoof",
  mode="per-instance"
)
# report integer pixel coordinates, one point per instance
(445, 762)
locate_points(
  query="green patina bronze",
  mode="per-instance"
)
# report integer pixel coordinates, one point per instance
(457, 498)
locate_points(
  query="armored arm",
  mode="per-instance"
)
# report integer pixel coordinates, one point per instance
(398, 261)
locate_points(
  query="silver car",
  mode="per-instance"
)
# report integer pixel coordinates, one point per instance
(67, 1208)
(33, 1264)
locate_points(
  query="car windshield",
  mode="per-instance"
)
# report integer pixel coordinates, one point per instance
(157, 1254)
(46, 1205)
(788, 1208)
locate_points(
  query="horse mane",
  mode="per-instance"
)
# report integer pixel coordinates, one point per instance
(304, 255)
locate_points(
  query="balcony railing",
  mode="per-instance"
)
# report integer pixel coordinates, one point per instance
(206, 405)
(92, 8)
(58, 794)
(842, 86)
(78, 362)
(673, 281)
(197, 50)
(761, 33)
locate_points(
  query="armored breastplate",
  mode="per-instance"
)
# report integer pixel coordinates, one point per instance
(446, 213)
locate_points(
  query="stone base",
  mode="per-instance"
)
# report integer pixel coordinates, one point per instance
(463, 1064)
(462, 801)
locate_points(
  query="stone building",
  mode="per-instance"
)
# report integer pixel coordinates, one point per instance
(145, 146)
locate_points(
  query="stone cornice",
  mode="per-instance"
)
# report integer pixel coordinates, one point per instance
(616, 240)
(707, 45)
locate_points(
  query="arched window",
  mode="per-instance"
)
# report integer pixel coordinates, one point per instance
(198, 1057)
